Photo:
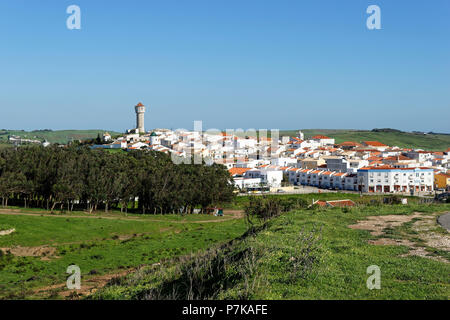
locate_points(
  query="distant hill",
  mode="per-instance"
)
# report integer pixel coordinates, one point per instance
(391, 137)
(58, 136)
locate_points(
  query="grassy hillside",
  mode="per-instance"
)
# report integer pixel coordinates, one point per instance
(59, 136)
(305, 254)
(401, 139)
(43, 245)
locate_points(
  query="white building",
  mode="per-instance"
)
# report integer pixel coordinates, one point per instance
(389, 179)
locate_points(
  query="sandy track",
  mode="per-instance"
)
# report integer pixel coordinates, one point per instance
(423, 226)
(228, 215)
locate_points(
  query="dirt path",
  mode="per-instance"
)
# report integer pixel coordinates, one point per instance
(45, 252)
(88, 286)
(228, 215)
(424, 227)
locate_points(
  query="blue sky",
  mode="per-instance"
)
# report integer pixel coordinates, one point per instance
(232, 64)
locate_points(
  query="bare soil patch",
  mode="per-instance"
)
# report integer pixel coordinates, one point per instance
(45, 252)
(424, 228)
(88, 286)
(6, 232)
(228, 215)
(376, 224)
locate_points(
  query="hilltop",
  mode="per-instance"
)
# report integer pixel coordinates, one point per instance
(392, 137)
(429, 141)
(57, 136)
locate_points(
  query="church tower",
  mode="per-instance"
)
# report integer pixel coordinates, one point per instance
(140, 111)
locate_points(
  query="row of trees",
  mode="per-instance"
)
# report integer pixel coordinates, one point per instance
(92, 179)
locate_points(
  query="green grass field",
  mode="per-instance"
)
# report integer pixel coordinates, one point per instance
(57, 136)
(99, 245)
(281, 260)
(291, 259)
(433, 142)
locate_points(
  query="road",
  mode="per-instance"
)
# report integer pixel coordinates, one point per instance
(444, 220)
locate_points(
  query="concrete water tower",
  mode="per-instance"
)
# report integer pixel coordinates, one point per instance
(140, 111)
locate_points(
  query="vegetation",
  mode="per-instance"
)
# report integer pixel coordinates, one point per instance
(431, 141)
(57, 136)
(83, 178)
(304, 254)
(100, 245)
(5, 227)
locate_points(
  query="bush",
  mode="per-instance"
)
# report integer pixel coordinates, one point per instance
(263, 208)
(392, 200)
(5, 227)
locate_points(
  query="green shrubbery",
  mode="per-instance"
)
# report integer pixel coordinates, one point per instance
(92, 179)
(266, 207)
(5, 227)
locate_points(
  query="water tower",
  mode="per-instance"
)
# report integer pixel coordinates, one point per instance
(140, 111)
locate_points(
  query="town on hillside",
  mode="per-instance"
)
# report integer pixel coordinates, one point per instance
(259, 163)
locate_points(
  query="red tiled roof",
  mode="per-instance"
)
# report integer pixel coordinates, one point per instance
(341, 203)
(350, 144)
(391, 168)
(320, 137)
(397, 158)
(238, 171)
(374, 144)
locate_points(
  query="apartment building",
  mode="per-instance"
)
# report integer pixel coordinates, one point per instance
(389, 179)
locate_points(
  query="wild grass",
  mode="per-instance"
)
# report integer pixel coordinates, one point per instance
(303, 254)
(98, 246)
(438, 142)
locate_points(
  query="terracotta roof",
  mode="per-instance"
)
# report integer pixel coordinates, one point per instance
(335, 203)
(238, 171)
(443, 174)
(350, 144)
(374, 144)
(341, 203)
(320, 137)
(391, 168)
(321, 203)
(397, 158)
